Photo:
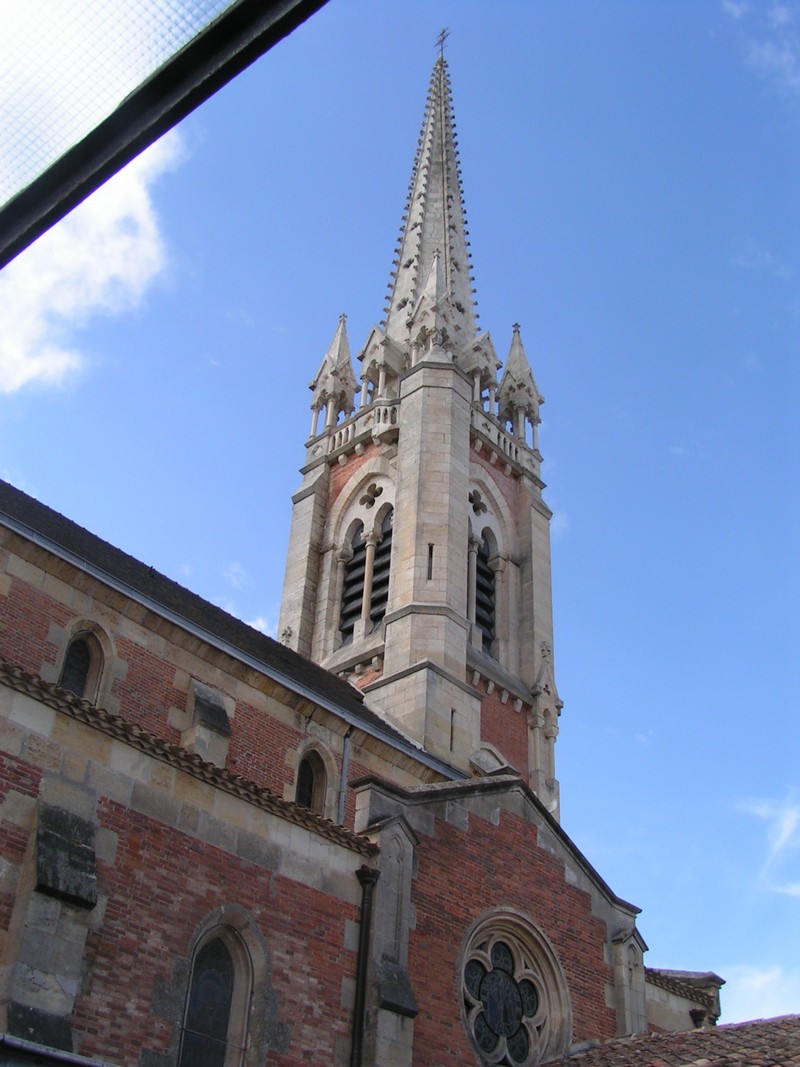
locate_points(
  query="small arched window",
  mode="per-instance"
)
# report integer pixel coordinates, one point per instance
(214, 1026)
(80, 671)
(485, 594)
(311, 783)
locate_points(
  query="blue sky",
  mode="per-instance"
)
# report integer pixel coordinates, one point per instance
(630, 173)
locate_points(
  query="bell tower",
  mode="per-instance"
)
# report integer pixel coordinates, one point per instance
(419, 558)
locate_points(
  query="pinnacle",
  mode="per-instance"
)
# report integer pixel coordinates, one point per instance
(518, 389)
(335, 379)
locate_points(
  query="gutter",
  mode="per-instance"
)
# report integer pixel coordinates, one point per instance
(35, 1053)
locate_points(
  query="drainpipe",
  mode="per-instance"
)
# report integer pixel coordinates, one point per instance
(367, 877)
(343, 776)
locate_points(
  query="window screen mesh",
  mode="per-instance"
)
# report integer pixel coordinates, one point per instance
(65, 65)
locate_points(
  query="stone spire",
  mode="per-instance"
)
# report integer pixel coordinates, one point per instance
(518, 395)
(334, 385)
(432, 254)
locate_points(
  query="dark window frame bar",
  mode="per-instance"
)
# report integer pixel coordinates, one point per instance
(216, 55)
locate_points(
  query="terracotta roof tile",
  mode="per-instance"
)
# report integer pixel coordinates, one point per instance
(762, 1043)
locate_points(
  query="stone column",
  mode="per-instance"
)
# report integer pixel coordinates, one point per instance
(472, 577)
(369, 565)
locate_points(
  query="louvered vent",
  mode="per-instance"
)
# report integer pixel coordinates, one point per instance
(380, 574)
(484, 596)
(353, 589)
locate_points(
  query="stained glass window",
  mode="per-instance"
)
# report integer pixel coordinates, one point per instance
(205, 1033)
(502, 1003)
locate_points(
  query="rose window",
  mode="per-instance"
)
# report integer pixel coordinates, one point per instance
(503, 1003)
(514, 998)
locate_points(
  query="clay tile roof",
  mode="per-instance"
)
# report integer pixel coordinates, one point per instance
(762, 1043)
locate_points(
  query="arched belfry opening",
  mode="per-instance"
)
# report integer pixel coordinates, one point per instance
(485, 594)
(353, 585)
(365, 578)
(379, 594)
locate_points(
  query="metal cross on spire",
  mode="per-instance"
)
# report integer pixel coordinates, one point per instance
(445, 33)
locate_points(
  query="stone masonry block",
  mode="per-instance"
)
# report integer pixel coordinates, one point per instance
(31, 714)
(65, 856)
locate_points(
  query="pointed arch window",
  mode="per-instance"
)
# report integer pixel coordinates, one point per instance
(353, 587)
(312, 783)
(365, 584)
(214, 1027)
(80, 671)
(485, 594)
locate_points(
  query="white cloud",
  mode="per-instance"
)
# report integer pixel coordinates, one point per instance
(761, 259)
(780, 15)
(759, 993)
(782, 819)
(784, 822)
(735, 8)
(99, 260)
(778, 61)
(236, 575)
(267, 624)
(559, 524)
(771, 40)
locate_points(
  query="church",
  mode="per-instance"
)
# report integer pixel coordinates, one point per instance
(342, 847)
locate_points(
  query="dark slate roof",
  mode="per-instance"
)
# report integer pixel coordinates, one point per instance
(44, 525)
(762, 1043)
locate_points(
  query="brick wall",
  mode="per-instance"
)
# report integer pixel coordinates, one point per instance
(506, 483)
(149, 685)
(160, 887)
(498, 866)
(341, 474)
(505, 728)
